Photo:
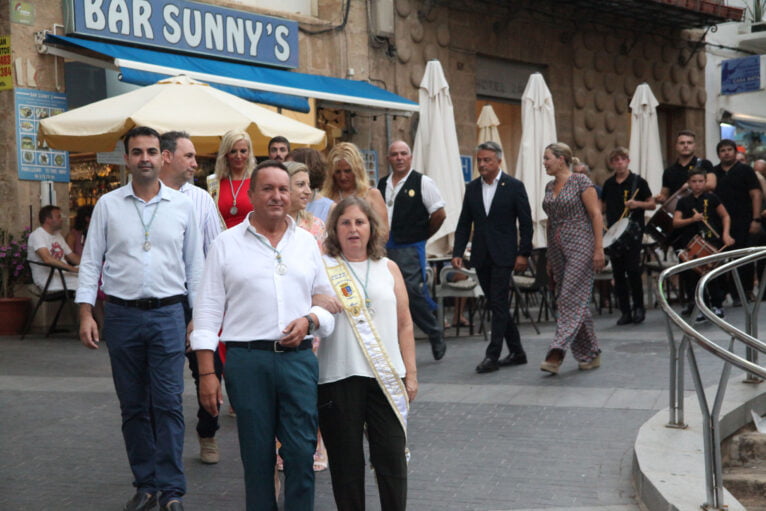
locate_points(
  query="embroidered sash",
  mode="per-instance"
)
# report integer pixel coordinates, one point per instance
(214, 188)
(367, 336)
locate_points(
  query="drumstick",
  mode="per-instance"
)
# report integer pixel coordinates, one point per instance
(708, 225)
(627, 209)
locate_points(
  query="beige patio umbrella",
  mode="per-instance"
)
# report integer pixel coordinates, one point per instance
(487, 124)
(177, 103)
(436, 152)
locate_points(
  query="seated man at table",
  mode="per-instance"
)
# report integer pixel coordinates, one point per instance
(47, 245)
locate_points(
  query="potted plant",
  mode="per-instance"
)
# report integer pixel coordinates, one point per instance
(14, 270)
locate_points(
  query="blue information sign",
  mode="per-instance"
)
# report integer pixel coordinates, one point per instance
(466, 162)
(38, 162)
(187, 27)
(741, 75)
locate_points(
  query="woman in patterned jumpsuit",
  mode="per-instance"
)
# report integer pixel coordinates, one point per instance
(575, 253)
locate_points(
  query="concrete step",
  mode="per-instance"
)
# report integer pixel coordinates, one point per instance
(744, 472)
(744, 448)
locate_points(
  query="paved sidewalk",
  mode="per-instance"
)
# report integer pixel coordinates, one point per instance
(515, 439)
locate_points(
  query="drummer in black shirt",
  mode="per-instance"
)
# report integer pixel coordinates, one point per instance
(626, 191)
(697, 214)
(677, 175)
(740, 192)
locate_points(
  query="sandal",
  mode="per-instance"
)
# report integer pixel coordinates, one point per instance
(320, 462)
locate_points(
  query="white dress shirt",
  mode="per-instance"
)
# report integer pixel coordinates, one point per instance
(488, 192)
(242, 290)
(208, 218)
(432, 198)
(172, 266)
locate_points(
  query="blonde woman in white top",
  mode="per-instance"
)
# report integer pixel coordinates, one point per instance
(367, 363)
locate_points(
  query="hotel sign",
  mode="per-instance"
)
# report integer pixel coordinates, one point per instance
(188, 27)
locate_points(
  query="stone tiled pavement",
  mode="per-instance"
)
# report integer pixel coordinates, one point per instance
(511, 440)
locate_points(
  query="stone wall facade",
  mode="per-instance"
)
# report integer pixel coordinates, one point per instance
(592, 67)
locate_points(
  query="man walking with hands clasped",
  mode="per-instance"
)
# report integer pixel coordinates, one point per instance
(494, 204)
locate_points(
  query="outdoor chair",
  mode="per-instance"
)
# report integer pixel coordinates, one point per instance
(531, 288)
(468, 288)
(44, 295)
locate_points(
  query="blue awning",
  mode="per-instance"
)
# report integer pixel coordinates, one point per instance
(276, 87)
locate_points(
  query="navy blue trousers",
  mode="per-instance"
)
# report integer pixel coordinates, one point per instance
(146, 350)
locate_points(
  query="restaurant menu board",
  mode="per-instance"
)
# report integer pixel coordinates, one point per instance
(38, 162)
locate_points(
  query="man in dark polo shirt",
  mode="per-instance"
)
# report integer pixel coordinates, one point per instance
(676, 176)
(627, 192)
(740, 193)
(415, 212)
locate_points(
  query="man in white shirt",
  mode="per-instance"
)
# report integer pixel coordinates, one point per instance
(47, 245)
(179, 163)
(262, 273)
(415, 212)
(147, 237)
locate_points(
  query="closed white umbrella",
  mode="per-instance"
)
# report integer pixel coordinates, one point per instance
(436, 152)
(177, 103)
(645, 152)
(538, 130)
(488, 132)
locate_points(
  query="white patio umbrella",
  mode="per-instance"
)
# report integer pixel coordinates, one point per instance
(538, 129)
(177, 103)
(487, 124)
(436, 152)
(645, 152)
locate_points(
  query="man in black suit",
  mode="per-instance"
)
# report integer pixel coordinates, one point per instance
(493, 204)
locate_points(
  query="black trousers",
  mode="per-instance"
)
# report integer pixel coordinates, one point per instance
(743, 239)
(207, 425)
(495, 282)
(715, 294)
(627, 271)
(345, 407)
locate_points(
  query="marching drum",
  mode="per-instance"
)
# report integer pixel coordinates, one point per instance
(660, 226)
(620, 235)
(697, 248)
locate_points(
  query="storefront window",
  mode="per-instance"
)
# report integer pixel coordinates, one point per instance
(750, 139)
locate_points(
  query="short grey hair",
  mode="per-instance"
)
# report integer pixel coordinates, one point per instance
(491, 146)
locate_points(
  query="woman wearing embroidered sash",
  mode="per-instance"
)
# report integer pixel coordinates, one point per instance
(228, 185)
(367, 372)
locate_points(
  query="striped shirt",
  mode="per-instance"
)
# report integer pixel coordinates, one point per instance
(206, 213)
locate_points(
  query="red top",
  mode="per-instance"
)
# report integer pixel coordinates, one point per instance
(226, 201)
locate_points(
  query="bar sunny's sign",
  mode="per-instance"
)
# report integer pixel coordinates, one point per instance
(187, 27)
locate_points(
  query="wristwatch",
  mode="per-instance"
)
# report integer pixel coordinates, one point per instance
(312, 325)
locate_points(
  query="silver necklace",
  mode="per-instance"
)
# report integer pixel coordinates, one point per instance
(367, 301)
(147, 244)
(234, 210)
(281, 266)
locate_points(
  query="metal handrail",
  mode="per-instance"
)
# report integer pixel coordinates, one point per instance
(711, 431)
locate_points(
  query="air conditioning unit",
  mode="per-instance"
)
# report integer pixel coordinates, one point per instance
(382, 18)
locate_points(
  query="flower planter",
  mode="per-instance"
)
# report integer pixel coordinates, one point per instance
(14, 313)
